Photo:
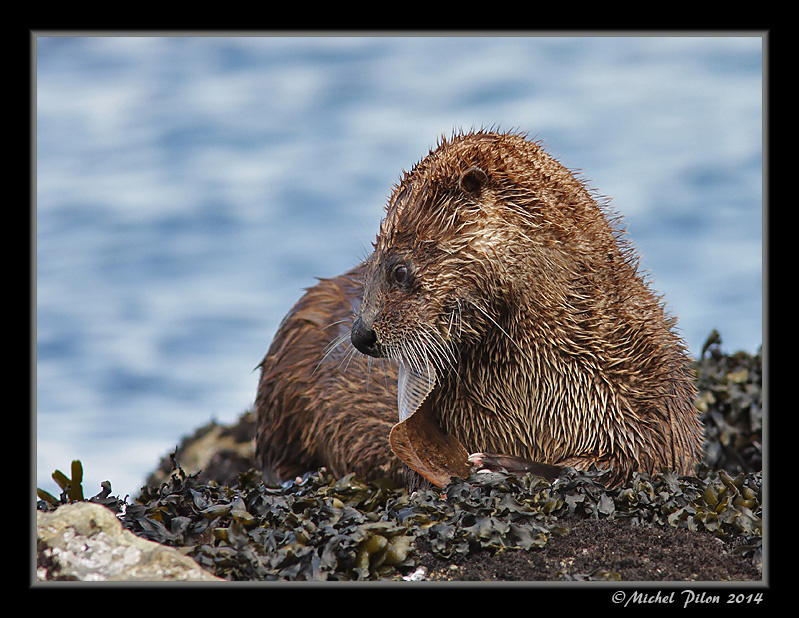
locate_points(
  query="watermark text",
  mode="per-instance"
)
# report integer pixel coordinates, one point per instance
(684, 598)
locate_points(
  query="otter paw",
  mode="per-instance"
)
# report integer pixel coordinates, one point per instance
(486, 462)
(493, 462)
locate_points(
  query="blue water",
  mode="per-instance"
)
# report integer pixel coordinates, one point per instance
(188, 188)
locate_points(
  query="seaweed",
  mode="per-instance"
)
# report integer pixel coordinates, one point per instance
(730, 403)
(71, 488)
(323, 528)
(72, 491)
(326, 528)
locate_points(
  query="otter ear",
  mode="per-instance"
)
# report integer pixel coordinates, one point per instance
(473, 180)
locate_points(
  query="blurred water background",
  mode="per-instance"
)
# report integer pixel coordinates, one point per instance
(189, 188)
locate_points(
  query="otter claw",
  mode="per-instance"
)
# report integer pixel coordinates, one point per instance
(488, 462)
(476, 461)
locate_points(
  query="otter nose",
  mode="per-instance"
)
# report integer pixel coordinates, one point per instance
(364, 339)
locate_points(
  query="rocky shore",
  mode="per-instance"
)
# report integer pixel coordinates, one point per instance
(204, 515)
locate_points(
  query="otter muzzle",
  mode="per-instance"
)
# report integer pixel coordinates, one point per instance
(364, 339)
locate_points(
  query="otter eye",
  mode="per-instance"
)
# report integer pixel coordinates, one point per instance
(401, 274)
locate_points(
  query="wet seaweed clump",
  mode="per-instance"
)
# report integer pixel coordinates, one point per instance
(72, 491)
(730, 403)
(323, 528)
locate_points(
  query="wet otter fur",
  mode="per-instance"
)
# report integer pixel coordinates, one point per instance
(497, 271)
(320, 402)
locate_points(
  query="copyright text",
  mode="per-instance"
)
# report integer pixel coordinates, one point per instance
(683, 598)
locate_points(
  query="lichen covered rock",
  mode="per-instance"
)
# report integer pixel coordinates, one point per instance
(86, 542)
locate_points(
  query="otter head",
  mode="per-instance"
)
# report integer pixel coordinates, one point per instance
(416, 284)
(481, 236)
(417, 278)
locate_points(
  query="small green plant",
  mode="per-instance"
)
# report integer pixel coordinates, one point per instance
(71, 488)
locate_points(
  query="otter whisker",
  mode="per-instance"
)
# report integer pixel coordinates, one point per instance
(429, 350)
(337, 322)
(331, 346)
(351, 353)
(457, 317)
(504, 332)
(419, 358)
(449, 326)
(368, 371)
(411, 353)
(386, 373)
(437, 355)
(440, 351)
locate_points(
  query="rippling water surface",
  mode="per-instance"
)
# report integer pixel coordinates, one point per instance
(188, 188)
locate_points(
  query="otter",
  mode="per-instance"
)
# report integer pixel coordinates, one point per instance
(501, 322)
